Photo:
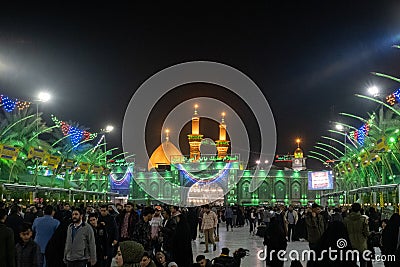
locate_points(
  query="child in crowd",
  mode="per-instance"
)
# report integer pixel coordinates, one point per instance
(147, 261)
(27, 251)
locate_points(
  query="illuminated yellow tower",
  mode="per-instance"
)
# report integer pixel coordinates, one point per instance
(222, 144)
(195, 138)
(298, 153)
(298, 159)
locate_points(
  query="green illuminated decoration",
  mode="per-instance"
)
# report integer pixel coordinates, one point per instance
(375, 163)
(326, 150)
(331, 147)
(319, 154)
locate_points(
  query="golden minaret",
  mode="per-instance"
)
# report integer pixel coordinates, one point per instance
(222, 144)
(195, 138)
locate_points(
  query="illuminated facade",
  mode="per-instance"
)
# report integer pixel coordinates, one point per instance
(221, 177)
(279, 186)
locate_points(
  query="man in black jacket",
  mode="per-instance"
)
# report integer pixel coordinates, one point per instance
(142, 231)
(127, 220)
(7, 246)
(101, 240)
(224, 260)
(15, 221)
(203, 262)
(168, 230)
(107, 221)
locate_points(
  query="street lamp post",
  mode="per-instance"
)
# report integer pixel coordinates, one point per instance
(341, 128)
(375, 92)
(108, 129)
(42, 97)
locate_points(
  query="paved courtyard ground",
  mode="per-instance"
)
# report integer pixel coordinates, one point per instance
(240, 238)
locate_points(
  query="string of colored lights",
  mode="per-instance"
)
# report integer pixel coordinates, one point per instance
(127, 175)
(393, 98)
(76, 135)
(360, 134)
(9, 105)
(214, 178)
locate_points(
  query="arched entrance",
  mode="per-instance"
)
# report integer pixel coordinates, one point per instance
(200, 194)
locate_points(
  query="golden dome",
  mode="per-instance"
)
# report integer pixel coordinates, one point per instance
(162, 155)
(298, 153)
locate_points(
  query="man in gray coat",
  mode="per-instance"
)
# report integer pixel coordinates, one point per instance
(80, 246)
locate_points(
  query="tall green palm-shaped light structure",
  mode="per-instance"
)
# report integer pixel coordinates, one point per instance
(370, 166)
(22, 130)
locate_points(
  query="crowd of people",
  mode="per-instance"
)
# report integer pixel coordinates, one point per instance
(324, 227)
(130, 235)
(107, 235)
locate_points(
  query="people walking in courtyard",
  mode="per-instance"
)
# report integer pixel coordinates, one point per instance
(390, 240)
(301, 231)
(267, 214)
(209, 223)
(44, 228)
(110, 224)
(252, 217)
(168, 231)
(329, 240)
(7, 245)
(228, 217)
(142, 231)
(80, 246)
(193, 221)
(336, 215)
(101, 240)
(15, 221)
(182, 244)
(27, 251)
(234, 215)
(275, 240)
(56, 245)
(315, 228)
(127, 219)
(291, 218)
(357, 226)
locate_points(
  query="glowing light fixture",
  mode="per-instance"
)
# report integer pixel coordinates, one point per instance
(44, 96)
(373, 90)
(109, 128)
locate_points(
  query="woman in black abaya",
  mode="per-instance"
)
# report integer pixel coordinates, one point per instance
(182, 248)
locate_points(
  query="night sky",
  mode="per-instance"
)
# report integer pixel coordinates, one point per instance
(308, 59)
